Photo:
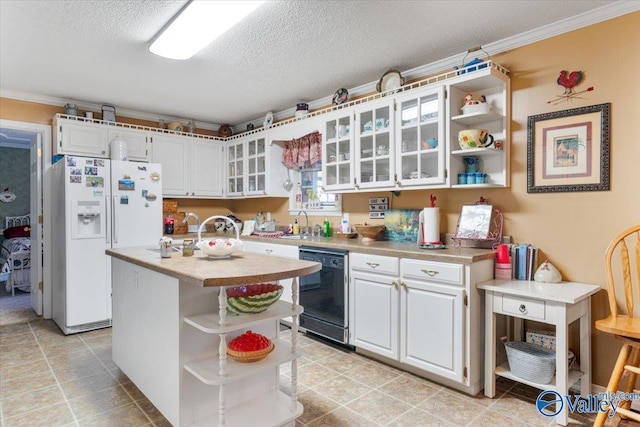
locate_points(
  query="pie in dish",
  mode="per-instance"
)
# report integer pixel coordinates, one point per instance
(249, 347)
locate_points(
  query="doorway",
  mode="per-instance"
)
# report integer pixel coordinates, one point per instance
(36, 139)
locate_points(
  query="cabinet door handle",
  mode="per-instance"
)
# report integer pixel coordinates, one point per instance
(522, 308)
(395, 284)
(430, 272)
(373, 264)
(404, 285)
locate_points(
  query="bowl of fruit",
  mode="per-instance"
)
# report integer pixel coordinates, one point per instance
(249, 347)
(252, 299)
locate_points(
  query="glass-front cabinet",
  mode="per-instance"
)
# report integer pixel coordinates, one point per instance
(256, 165)
(235, 168)
(374, 155)
(337, 164)
(420, 139)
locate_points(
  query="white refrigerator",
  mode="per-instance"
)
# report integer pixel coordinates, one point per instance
(97, 204)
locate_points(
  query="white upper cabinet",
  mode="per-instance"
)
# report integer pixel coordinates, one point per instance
(138, 142)
(206, 167)
(191, 167)
(337, 143)
(80, 138)
(409, 140)
(374, 141)
(254, 166)
(495, 117)
(172, 152)
(420, 139)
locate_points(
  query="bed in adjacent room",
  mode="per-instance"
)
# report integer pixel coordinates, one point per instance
(15, 254)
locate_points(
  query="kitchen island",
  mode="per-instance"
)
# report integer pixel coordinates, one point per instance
(170, 328)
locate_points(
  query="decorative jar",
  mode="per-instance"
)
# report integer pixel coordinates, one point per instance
(302, 110)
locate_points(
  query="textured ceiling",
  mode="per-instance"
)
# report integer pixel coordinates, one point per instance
(286, 52)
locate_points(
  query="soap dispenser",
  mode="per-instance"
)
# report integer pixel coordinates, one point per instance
(326, 227)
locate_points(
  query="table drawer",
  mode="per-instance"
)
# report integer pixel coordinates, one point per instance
(432, 271)
(374, 263)
(521, 307)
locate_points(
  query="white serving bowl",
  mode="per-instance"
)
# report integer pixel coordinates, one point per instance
(219, 248)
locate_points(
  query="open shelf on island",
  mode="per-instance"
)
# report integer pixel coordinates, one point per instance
(208, 370)
(210, 322)
(273, 408)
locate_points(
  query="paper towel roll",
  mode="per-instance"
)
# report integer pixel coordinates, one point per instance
(431, 224)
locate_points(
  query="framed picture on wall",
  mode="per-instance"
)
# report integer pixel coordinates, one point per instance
(569, 150)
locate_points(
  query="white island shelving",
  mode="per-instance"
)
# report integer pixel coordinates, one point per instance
(171, 328)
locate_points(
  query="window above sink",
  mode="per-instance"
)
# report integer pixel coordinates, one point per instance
(314, 200)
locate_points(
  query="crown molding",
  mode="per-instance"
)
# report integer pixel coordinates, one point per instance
(90, 106)
(585, 19)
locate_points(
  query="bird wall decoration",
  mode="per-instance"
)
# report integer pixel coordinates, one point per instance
(569, 80)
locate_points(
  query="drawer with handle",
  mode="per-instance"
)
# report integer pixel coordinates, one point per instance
(452, 274)
(374, 263)
(520, 307)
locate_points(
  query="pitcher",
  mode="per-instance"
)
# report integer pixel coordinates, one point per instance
(472, 164)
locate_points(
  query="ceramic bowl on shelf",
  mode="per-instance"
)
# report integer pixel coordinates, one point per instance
(368, 232)
(252, 299)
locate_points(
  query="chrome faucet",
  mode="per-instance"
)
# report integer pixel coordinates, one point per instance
(186, 221)
(306, 229)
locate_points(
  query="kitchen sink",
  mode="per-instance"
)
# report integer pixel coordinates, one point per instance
(176, 248)
(295, 236)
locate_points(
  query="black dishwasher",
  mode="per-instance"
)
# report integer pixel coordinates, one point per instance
(324, 294)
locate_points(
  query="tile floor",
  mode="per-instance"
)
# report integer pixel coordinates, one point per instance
(15, 309)
(48, 379)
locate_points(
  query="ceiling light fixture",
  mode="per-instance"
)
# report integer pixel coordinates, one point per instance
(199, 23)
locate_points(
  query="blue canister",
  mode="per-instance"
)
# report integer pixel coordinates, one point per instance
(479, 178)
(462, 178)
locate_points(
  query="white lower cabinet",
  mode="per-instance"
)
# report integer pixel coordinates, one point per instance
(373, 311)
(424, 315)
(431, 327)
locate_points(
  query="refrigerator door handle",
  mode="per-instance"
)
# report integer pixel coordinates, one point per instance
(114, 220)
(109, 212)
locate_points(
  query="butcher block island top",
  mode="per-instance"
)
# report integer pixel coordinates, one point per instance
(240, 269)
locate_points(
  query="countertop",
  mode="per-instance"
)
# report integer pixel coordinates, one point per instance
(461, 255)
(240, 269)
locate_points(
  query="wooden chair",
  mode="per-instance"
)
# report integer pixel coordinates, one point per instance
(622, 322)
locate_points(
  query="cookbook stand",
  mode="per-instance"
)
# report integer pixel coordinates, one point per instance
(479, 223)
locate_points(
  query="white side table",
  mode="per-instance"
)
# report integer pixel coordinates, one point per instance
(557, 304)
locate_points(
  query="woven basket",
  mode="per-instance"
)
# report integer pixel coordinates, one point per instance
(531, 362)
